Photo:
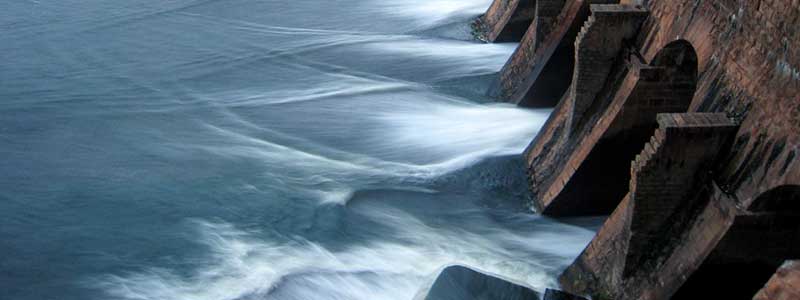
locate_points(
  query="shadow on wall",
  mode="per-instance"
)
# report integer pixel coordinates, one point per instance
(752, 250)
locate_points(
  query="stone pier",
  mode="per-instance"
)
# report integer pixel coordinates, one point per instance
(605, 116)
(645, 228)
(540, 70)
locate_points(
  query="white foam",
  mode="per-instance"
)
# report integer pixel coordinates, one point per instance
(434, 138)
(428, 12)
(457, 58)
(466, 128)
(244, 267)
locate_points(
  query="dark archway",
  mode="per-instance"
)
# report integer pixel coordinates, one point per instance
(751, 251)
(679, 61)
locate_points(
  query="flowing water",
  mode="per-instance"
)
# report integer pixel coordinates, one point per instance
(260, 149)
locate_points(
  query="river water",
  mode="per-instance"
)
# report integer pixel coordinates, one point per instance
(260, 149)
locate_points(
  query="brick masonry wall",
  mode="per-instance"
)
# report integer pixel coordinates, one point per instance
(748, 64)
(613, 122)
(749, 67)
(597, 45)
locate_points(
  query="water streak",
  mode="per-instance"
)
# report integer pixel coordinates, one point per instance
(205, 149)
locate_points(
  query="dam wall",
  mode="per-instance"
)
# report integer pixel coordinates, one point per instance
(680, 120)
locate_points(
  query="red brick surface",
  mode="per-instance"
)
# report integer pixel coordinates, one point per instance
(784, 285)
(749, 63)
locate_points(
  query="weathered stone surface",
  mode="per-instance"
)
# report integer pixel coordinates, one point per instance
(784, 285)
(462, 283)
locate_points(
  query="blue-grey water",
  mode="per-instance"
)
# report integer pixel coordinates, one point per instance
(259, 149)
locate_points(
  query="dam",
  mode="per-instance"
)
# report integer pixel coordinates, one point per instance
(678, 120)
(399, 149)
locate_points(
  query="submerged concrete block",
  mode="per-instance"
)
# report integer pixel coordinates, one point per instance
(462, 283)
(551, 294)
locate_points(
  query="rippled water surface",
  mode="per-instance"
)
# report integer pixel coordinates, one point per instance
(243, 149)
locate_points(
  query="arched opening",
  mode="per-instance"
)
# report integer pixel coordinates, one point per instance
(753, 248)
(679, 61)
(666, 85)
(785, 198)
